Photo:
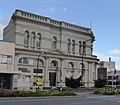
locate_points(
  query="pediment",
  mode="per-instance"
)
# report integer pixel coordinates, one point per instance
(56, 51)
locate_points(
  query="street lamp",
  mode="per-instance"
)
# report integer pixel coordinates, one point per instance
(83, 52)
(37, 70)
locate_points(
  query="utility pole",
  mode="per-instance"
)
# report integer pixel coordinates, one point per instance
(83, 53)
(37, 71)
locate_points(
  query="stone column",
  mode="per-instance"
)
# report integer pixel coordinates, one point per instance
(46, 73)
(90, 74)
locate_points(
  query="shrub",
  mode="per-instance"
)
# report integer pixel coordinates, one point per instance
(100, 83)
(107, 91)
(74, 83)
(6, 93)
(35, 93)
(62, 93)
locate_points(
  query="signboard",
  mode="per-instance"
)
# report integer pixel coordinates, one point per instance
(38, 80)
(38, 71)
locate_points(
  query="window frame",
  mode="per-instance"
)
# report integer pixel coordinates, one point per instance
(23, 60)
(54, 42)
(26, 38)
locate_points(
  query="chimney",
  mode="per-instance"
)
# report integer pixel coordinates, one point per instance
(109, 59)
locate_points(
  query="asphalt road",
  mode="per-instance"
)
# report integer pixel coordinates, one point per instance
(77, 100)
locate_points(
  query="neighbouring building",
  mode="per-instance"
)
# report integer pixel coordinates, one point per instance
(107, 64)
(102, 73)
(7, 70)
(113, 78)
(104, 67)
(47, 50)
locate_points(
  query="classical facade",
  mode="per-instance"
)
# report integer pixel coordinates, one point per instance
(47, 50)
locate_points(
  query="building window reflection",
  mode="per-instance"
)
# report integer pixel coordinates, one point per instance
(23, 60)
(54, 42)
(26, 38)
(5, 59)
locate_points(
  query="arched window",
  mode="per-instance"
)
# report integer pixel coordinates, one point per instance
(70, 65)
(73, 46)
(70, 73)
(69, 42)
(38, 40)
(80, 47)
(40, 62)
(84, 47)
(54, 42)
(26, 38)
(54, 63)
(82, 68)
(32, 39)
(23, 60)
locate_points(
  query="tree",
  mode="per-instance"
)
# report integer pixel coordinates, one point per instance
(100, 83)
(74, 83)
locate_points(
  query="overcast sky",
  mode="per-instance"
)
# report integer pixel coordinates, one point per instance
(104, 15)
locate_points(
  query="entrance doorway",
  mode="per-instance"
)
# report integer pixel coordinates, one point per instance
(5, 81)
(52, 78)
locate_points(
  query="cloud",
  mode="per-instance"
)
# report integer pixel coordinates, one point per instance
(53, 9)
(101, 56)
(65, 9)
(51, 1)
(1, 18)
(1, 28)
(115, 51)
(105, 57)
(48, 9)
(3, 23)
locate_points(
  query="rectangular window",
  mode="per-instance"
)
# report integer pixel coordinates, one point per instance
(38, 71)
(24, 70)
(5, 59)
(110, 77)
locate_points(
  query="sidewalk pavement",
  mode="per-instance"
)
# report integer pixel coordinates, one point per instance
(79, 95)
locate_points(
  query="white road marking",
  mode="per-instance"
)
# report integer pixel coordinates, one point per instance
(87, 102)
(100, 96)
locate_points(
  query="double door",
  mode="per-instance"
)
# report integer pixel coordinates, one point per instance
(52, 78)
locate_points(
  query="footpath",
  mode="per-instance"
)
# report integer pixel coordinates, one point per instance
(79, 95)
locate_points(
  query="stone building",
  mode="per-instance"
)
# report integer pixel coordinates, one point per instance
(47, 50)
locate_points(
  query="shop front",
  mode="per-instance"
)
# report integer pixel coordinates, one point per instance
(6, 81)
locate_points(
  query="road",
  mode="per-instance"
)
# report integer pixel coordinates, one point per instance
(77, 100)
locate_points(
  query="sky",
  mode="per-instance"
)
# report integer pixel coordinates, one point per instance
(103, 14)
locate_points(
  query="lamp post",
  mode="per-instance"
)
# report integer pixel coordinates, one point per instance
(37, 71)
(115, 76)
(83, 52)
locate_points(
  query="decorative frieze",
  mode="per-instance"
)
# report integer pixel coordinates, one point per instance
(48, 22)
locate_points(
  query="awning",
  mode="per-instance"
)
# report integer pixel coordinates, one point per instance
(10, 72)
